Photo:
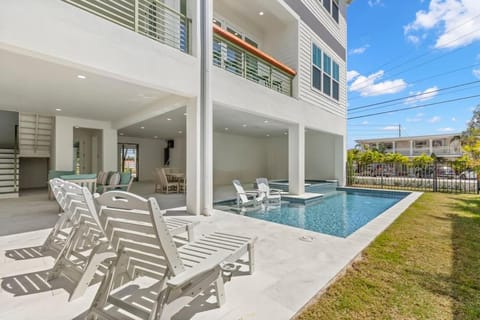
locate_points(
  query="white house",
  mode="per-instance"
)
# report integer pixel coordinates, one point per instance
(241, 89)
(442, 145)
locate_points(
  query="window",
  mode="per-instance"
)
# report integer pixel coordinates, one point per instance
(325, 73)
(332, 8)
(316, 67)
(335, 10)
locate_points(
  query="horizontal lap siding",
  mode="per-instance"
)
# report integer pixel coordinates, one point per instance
(306, 92)
(338, 30)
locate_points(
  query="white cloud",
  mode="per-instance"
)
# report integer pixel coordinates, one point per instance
(352, 75)
(476, 73)
(373, 3)
(373, 86)
(359, 50)
(454, 22)
(390, 128)
(434, 119)
(420, 96)
(365, 122)
(454, 119)
(445, 129)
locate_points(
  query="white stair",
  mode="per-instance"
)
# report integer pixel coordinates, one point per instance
(9, 177)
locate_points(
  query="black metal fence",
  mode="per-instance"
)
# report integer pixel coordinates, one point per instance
(436, 177)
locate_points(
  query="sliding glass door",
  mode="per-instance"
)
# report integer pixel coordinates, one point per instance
(128, 159)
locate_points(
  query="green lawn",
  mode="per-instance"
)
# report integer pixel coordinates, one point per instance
(425, 266)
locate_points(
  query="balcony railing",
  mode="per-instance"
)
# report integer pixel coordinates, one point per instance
(238, 57)
(151, 18)
(446, 151)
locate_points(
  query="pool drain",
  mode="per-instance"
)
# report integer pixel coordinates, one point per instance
(306, 238)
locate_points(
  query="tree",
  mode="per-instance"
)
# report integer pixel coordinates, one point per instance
(470, 139)
(422, 160)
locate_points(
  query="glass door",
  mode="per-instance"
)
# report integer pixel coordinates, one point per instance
(128, 159)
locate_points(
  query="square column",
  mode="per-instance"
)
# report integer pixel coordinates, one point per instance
(296, 159)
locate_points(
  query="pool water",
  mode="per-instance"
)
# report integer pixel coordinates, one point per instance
(340, 213)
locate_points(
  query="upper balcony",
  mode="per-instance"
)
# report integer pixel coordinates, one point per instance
(151, 18)
(241, 58)
(257, 40)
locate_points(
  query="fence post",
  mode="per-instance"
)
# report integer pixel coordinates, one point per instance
(435, 182)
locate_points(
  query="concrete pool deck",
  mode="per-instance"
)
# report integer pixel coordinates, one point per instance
(292, 265)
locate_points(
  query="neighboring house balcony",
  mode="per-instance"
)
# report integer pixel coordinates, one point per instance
(151, 18)
(447, 151)
(237, 56)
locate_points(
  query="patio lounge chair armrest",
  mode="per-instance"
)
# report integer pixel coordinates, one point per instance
(276, 190)
(205, 266)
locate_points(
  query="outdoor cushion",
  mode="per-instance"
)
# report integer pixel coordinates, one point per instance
(125, 177)
(101, 177)
(114, 179)
(79, 176)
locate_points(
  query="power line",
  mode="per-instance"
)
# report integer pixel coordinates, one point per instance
(414, 107)
(431, 77)
(429, 52)
(415, 95)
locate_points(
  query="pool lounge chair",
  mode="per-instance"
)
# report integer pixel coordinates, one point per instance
(267, 194)
(243, 199)
(152, 278)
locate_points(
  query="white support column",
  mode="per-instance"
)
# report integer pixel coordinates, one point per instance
(411, 148)
(394, 147)
(193, 174)
(430, 147)
(296, 159)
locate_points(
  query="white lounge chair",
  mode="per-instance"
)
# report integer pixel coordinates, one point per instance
(243, 199)
(267, 194)
(162, 183)
(86, 247)
(152, 278)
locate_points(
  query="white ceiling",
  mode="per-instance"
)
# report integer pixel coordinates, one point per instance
(33, 85)
(224, 120)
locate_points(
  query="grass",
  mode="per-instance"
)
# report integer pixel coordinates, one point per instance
(425, 266)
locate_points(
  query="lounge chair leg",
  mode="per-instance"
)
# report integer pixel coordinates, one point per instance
(191, 233)
(220, 291)
(251, 258)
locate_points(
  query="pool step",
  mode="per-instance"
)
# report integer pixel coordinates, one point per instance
(305, 198)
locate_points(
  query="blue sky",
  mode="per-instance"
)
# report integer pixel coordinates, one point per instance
(412, 49)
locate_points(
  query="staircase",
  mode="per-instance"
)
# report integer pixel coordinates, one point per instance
(9, 168)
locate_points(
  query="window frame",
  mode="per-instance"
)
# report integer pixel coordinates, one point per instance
(330, 73)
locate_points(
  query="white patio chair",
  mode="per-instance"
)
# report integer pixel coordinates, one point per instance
(162, 181)
(156, 278)
(243, 199)
(267, 194)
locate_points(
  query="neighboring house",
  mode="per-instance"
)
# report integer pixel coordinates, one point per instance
(445, 146)
(239, 89)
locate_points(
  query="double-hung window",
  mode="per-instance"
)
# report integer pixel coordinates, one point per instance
(325, 73)
(332, 8)
(316, 67)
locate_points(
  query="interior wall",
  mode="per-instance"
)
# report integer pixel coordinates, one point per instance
(150, 155)
(320, 156)
(277, 157)
(178, 154)
(8, 121)
(33, 173)
(238, 157)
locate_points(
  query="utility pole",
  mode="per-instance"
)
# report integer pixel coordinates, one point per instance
(399, 130)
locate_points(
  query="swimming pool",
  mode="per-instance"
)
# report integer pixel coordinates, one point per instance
(339, 213)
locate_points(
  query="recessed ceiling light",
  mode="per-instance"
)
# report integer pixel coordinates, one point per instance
(185, 114)
(226, 129)
(180, 131)
(244, 125)
(285, 133)
(58, 109)
(261, 13)
(121, 133)
(142, 127)
(81, 76)
(76, 127)
(169, 119)
(155, 137)
(265, 121)
(268, 135)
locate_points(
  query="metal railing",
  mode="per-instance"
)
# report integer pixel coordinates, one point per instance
(239, 61)
(151, 18)
(435, 177)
